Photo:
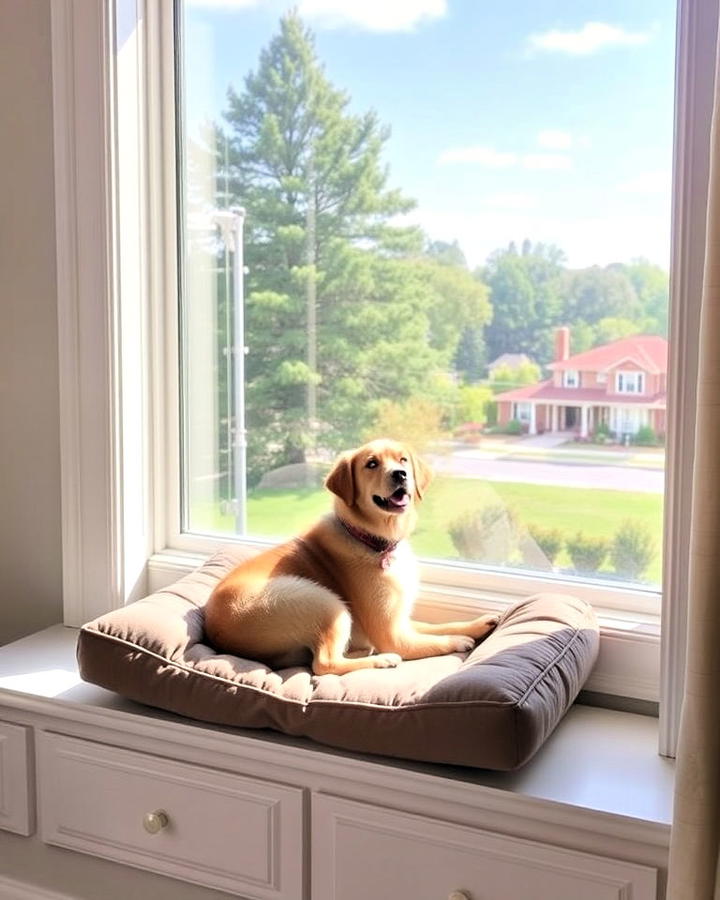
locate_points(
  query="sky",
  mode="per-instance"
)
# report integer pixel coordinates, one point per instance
(543, 119)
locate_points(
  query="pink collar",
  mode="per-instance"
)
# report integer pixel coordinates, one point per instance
(380, 545)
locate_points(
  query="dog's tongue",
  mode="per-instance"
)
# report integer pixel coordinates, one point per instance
(399, 499)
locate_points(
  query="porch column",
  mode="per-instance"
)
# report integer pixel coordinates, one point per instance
(533, 419)
(554, 425)
(583, 421)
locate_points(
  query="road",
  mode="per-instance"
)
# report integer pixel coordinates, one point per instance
(488, 467)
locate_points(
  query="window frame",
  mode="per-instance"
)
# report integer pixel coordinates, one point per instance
(121, 519)
(571, 378)
(635, 376)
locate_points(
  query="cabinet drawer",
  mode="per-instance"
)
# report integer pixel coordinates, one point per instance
(362, 851)
(16, 779)
(206, 826)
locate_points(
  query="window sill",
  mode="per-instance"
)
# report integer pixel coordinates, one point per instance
(628, 665)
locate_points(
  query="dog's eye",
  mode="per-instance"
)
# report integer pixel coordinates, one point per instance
(371, 464)
(403, 459)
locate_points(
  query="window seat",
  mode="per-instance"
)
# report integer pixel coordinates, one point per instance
(597, 786)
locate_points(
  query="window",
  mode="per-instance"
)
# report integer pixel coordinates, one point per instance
(132, 472)
(630, 382)
(522, 412)
(353, 257)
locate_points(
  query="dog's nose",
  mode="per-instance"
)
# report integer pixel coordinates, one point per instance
(399, 476)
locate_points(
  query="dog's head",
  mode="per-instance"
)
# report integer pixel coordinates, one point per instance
(378, 486)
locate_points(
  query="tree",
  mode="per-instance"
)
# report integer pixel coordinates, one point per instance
(343, 307)
(651, 285)
(310, 176)
(449, 253)
(470, 356)
(506, 377)
(525, 300)
(595, 293)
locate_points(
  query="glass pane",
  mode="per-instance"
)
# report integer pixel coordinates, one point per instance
(441, 221)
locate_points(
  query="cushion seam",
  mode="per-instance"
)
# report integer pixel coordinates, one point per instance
(549, 666)
(509, 704)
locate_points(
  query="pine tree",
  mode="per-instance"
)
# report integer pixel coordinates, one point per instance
(342, 309)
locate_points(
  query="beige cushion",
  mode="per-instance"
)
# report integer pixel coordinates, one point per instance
(491, 708)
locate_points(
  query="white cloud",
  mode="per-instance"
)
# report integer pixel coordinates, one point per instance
(373, 15)
(591, 38)
(657, 181)
(489, 157)
(551, 139)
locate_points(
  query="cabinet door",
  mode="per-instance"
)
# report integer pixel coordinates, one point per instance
(16, 779)
(211, 827)
(361, 851)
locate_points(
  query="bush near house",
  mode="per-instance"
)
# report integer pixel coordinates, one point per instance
(587, 553)
(602, 434)
(645, 437)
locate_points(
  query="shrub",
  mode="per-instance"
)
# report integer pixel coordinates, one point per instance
(645, 437)
(489, 534)
(549, 540)
(602, 433)
(514, 427)
(633, 549)
(586, 553)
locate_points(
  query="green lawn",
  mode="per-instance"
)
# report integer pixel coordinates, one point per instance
(596, 512)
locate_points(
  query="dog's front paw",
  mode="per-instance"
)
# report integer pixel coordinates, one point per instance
(483, 625)
(386, 660)
(462, 643)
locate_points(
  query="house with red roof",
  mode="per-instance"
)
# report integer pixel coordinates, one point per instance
(621, 385)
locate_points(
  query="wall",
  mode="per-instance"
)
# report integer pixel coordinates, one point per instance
(30, 526)
(30, 534)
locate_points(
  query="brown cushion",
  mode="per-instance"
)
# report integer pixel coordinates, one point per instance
(491, 708)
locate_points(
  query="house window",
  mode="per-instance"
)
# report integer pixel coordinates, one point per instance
(351, 256)
(522, 412)
(630, 382)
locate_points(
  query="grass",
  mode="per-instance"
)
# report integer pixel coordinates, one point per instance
(596, 512)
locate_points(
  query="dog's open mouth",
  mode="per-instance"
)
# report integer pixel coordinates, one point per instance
(396, 502)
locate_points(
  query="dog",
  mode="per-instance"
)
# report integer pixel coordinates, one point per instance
(341, 595)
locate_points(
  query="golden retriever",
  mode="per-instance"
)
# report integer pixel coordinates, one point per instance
(346, 584)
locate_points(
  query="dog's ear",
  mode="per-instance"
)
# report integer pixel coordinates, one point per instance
(422, 474)
(341, 480)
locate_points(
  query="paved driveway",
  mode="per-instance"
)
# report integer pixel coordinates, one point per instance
(470, 464)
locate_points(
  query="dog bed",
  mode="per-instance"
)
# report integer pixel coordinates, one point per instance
(491, 708)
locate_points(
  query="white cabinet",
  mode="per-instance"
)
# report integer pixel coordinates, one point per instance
(16, 804)
(211, 827)
(361, 851)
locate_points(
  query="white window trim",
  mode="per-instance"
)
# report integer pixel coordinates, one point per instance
(116, 508)
(697, 29)
(571, 378)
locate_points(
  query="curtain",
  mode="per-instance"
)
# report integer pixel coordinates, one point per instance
(694, 868)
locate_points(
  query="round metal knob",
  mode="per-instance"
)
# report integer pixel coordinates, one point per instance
(154, 822)
(459, 895)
